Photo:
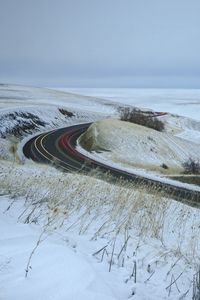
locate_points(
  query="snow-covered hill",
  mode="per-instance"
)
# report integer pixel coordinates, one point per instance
(25, 111)
(137, 146)
(79, 228)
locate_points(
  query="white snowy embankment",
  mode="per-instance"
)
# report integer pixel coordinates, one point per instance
(139, 146)
(139, 150)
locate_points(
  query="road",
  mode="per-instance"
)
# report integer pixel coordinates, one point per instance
(58, 147)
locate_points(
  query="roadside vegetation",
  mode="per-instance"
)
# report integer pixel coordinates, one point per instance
(66, 112)
(191, 166)
(123, 217)
(137, 116)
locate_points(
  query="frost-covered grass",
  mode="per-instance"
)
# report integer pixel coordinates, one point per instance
(122, 221)
(66, 193)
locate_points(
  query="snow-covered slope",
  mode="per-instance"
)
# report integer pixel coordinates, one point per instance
(60, 268)
(25, 111)
(88, 226)
(14, 96)
(137, 146)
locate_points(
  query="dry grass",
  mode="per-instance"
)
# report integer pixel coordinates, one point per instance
(78, 202)
(124, 217)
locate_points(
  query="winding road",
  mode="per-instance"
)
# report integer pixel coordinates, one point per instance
(58, 147)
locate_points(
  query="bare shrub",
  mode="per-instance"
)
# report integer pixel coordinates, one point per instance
(66, 112)
(164, 166)
(191, 166)
(137, 116)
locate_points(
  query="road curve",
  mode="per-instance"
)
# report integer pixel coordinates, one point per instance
(58, 147)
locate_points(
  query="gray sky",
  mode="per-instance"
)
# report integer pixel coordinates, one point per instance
(100, 43)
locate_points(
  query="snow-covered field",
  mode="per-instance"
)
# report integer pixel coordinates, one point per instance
(67, 236)
(178, 101)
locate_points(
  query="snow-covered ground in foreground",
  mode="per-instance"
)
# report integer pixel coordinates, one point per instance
(92, 226)
(88, 214)
(60, 269)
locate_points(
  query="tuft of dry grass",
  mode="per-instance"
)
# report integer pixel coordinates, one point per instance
(78, 202)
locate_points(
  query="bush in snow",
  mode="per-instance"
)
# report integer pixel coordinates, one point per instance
(191, 166)
(66, 112)
(137, 116)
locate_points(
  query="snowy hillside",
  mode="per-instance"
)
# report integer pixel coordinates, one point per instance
(71, 236)
(137, 146)
(25, 111)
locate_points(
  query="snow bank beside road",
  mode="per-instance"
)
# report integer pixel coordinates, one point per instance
(138, 146)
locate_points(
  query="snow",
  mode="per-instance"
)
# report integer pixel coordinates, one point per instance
(59, 271)
(64, 265)
(182, 102)
(138, 150)
(144, 147)
(88, 214)
(19, 96)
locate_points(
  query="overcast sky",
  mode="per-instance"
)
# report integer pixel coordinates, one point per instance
(101, 43)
